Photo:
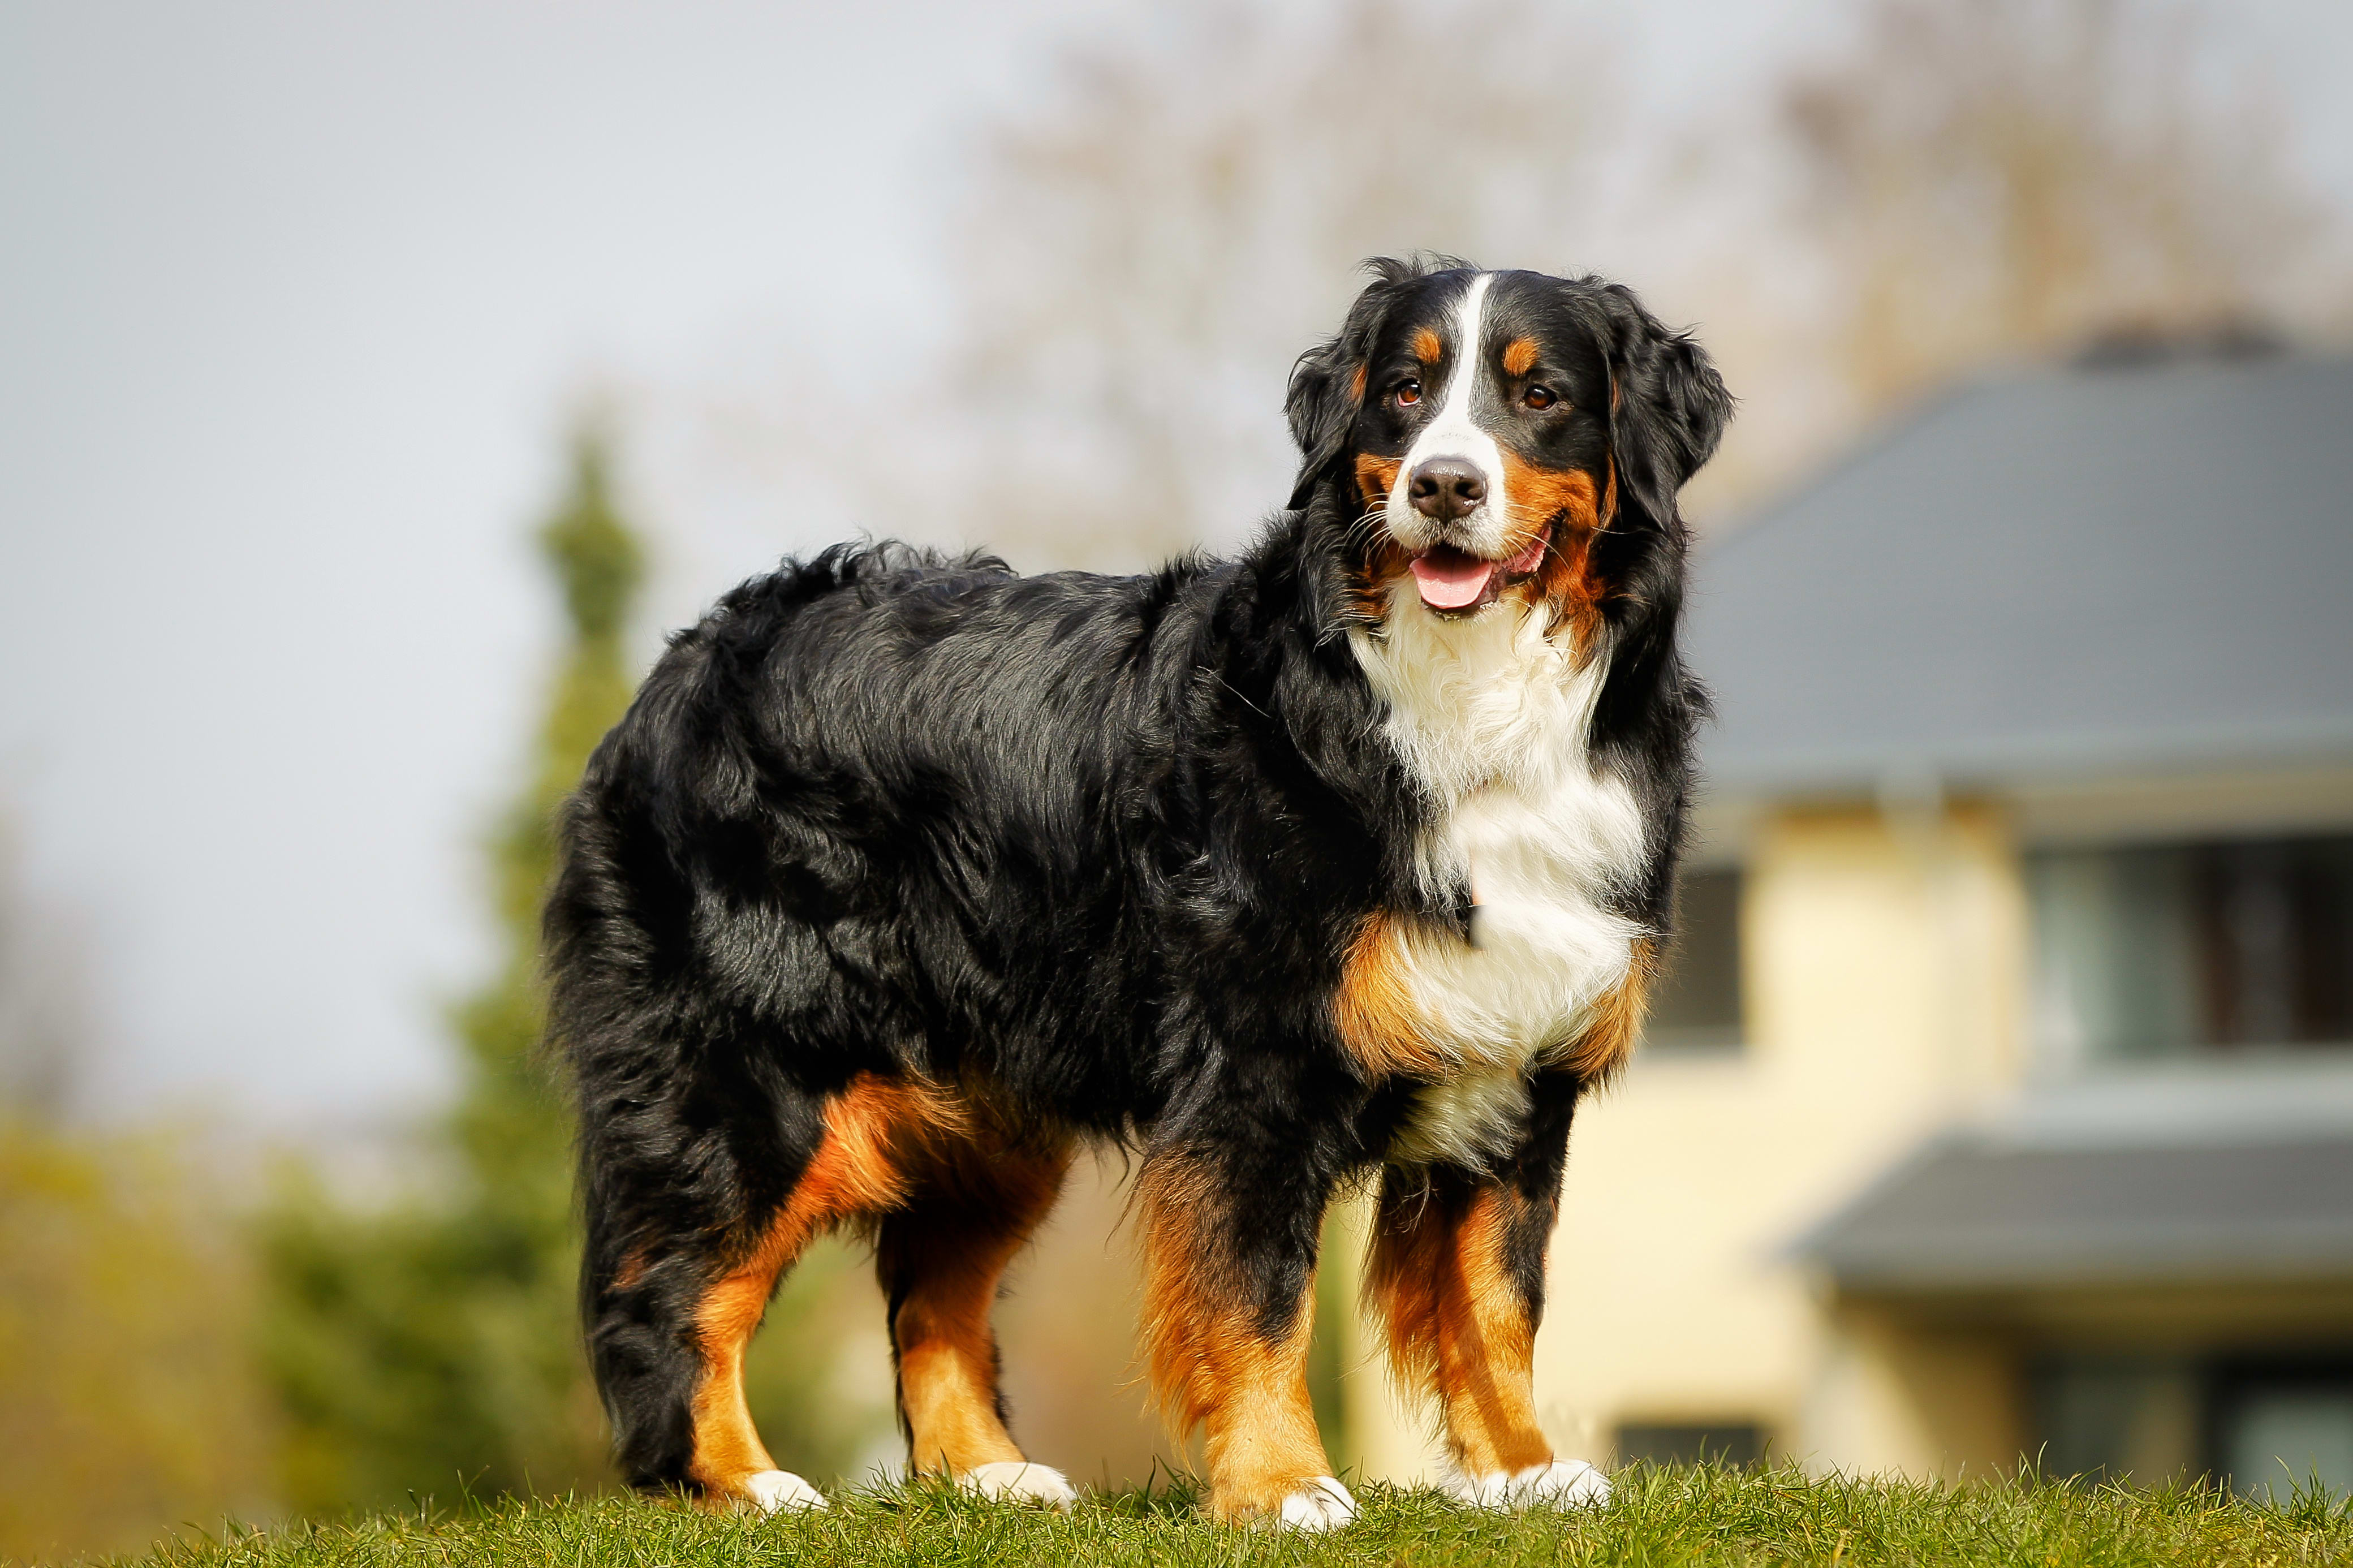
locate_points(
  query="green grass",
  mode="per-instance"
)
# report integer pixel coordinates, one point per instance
(1700, 1515)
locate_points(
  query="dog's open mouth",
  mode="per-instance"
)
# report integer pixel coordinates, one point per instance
(1456, 580)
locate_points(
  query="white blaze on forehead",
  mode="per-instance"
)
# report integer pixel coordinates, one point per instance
(1453, 434)
(1454, 411)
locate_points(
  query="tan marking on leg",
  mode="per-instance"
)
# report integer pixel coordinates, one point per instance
(873, 1129)
(1211, 1365)
(1457, 1325)
(948, 1250)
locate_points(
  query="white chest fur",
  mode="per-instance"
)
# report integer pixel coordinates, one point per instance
(1492, 717)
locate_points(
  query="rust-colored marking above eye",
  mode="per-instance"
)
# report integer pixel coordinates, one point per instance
(1521, 357)
(1356, 385)
(1426, 346)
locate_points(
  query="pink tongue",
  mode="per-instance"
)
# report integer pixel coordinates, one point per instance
(1450, 579)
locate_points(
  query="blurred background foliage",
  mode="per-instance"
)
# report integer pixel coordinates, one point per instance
(426, 1343)
(1139, 253)
(426, 1346)
(128, 1400)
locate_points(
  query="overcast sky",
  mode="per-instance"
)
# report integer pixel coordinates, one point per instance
(294, 298)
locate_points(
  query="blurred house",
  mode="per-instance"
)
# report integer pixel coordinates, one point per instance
(2002, 1101)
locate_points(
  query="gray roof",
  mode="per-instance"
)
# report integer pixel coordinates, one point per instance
(1968, 1214)
(2077, 572)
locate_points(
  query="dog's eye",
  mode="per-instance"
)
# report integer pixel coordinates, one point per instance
(1408, 393)
(1539, 398)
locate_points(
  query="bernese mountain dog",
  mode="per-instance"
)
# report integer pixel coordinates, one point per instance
(1350, 858)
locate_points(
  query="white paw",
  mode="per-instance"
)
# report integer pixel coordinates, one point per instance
(1322, 1504)
(1016, 1480)
(781, 1491)
(1564, 1483)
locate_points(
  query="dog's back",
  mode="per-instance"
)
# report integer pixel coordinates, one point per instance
(881, 812)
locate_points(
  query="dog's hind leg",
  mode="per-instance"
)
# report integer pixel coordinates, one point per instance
(939, 1260)
(673, 1306)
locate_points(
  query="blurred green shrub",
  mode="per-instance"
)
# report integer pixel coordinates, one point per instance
(128, 1402)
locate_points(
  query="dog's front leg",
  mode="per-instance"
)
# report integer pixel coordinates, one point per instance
(1229, 1266)
(1457, 1273)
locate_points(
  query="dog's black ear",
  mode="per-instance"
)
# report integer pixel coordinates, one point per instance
(1668, 406)
(1327, 384)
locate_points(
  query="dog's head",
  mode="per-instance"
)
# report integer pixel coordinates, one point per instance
(1485, 432)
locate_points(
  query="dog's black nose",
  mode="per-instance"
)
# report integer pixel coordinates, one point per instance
(1445, 489)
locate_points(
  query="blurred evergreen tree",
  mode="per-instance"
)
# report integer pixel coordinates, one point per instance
(432, 1344)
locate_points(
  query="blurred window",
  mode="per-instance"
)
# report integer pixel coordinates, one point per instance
(2280, 1429)
(2264, 1428)
(1695, 1006)
(2117, 1417)
(2174, 950)
(1690, 1443)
